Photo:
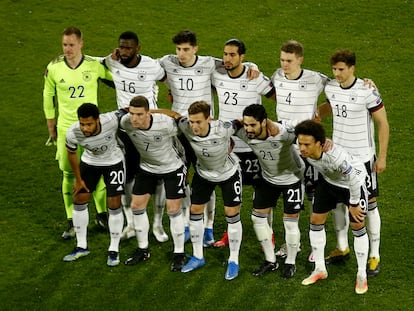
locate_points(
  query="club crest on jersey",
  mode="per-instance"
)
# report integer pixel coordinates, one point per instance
(353, 98)
(274, 144)
(157, 138)
(108, 137)
(142, 75)
(86, 76)
(303, 85)
(244, 84)
(214, 142)
(198, 71)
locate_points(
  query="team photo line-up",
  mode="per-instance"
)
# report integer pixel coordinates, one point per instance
(138, 151)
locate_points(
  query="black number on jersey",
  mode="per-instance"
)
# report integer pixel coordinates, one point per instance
(77, 92)
(341, 111)
(186, 85)
(266, 155)
(288, 99)
(128, 87)
(231, 98)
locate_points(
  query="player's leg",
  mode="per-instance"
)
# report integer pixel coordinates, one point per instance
(264, 196)
(129, 231)
(209, 213)
(232, 197)
(99, 197)
(159, 206)
(114, 178)
(68, 180)
(174, 192)
(373, 220)
(200, 195)
(341, 224)
(144, 186)
(185, 207)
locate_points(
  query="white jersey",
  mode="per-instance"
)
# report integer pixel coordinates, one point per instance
(101, 149)
(274, 154)
(353, 127)
(214, 162)
(341, 169)
(235, 94)
(135, 81)
(155, 145)
(297, 99)
(189, 84)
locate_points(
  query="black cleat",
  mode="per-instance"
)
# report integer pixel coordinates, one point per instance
(178, 262)
(140, 254)
(289, 271)
(267, 266)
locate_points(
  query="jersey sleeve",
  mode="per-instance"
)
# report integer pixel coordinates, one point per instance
(71, 142)
(49, 92)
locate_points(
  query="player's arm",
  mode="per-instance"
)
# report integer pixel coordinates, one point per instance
(324, 110)
(380, 118)
(49, 108)
(73, 160)
(168, 112)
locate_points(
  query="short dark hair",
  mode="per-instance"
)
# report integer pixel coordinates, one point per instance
(129, 35)
(292, 46)
(199, 106)
(87, 110)
(345, 56)
(185, 36)
(258, 112)
(236, 42)
(72, 31)
(140, 101)
(311, 128)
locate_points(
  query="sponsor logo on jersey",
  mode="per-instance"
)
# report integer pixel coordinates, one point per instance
(62, 81)
(87, 76)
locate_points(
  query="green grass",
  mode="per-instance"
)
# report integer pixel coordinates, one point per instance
(32, 273)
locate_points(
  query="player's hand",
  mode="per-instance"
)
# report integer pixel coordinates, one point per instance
(50, 142)
(327, 145)
(370, 83)
(115, 54)
(380, 165)
(78, 186)
(170, 97)
(272, 129)
(253, 72)
(357, 213)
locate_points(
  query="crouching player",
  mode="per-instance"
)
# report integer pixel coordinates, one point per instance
(96, 133)
(342, 181)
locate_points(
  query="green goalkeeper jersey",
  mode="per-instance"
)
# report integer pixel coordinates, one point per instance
(71, 88)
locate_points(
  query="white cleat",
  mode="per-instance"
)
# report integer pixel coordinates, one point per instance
(127, 233)
(159, 234)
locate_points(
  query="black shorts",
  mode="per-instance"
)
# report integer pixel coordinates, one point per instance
(250, 167)
(328, 195)
(174, 183)
(131, 154)
(372, 179)
(267, 194)
(231, 189)
(114, 177)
